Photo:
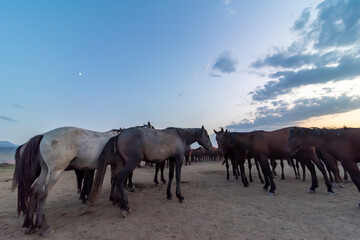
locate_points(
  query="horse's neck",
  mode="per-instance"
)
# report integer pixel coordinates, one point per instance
(189, 135)
(241, 139)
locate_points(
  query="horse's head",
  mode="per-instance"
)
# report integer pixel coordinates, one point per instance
(219, 139)
(205, 140)
(294, 141)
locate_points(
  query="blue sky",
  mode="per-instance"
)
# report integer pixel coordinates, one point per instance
(243, 65)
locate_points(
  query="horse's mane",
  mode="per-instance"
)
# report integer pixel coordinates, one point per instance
(148, 125)
(185, 135)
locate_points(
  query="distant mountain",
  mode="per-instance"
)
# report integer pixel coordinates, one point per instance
(7, 144)
(7, 152)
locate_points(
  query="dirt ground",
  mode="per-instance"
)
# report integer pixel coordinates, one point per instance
(215, 209)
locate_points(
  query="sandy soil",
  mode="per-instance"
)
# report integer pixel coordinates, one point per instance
(215, 209)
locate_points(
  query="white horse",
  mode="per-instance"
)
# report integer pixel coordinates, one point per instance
(55, 151)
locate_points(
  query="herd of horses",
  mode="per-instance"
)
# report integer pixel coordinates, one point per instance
(41, 160)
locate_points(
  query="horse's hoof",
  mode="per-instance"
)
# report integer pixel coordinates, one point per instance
(124, 213)
(311, 191)
(331, 193)
(339, 185)
(359, 206)
(169, 197)
(157, 184)
(133, 189)
(47, 232)
(264, 189)
(271, 194)
(31, 229)
(183, 201)
(227, 180)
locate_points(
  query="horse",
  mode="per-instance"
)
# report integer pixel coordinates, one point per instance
(343, 144)
(55, 150)
(151, 145)
(263, 145)
(161, 166)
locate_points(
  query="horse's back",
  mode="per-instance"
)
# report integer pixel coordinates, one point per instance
(66, 144)
(152, 144)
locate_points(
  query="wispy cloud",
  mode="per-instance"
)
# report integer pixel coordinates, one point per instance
(225, 63)
(5, 118)
(283, 114)
(17, 105)
(328, 51)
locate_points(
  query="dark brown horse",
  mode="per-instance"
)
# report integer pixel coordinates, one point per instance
(343, 144)
(151, 145)
(263, 146)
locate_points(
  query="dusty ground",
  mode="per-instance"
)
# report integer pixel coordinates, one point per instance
(214, 209)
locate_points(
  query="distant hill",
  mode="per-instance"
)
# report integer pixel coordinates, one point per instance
(7, 152)
(7, 144)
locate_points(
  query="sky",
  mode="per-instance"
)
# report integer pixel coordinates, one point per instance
(243, 65)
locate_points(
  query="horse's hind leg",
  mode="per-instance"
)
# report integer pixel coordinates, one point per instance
(52, 177)
(120, 178)
(162, 166)
(157, 167)
(33, 204)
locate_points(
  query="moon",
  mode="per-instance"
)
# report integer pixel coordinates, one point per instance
(80, 73)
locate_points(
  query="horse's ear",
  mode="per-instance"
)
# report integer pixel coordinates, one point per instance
(215, 131)
(222, 130)
(226, 131)
(202, 127)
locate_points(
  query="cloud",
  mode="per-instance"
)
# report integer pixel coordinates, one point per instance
(215, 75)
(348, 68)
(328, 50)
(17, 105)
(303, 20)
(283, 115)
(7, 119)
(182, 95)
(225, 63)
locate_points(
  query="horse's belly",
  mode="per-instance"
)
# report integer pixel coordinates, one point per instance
(81, 163)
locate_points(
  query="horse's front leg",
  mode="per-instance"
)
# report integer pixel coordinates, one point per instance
(171, 176)
(178, 179)
(250, 166)
(227, 169)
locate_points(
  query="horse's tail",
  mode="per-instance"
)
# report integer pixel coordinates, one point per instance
(27, 169)
(15, 177)
(107, 154)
